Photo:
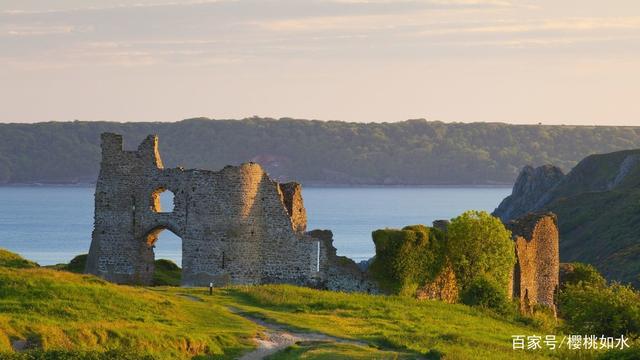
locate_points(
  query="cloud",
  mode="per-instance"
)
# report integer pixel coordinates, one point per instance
(570, 24)
(431, 2)
(129, 5)
(22, 30)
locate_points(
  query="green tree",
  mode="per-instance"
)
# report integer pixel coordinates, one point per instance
(599, 309)
(479, 244)
(485, 292)
(582, 273)
(406, 259)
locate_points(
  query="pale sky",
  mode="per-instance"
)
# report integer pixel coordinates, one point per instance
(548, 61)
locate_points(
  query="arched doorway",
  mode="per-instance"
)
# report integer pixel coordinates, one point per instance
(166, 249)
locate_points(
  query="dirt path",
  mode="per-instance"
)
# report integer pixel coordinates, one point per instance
(277, 337)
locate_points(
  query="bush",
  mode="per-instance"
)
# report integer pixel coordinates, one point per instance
(576, 273)
(632, 353)
(406, 259)
(78, 264)
(609, 310)
(485, 292)
(478, 243)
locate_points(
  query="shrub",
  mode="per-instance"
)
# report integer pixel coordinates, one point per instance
(631, 353)
(406, 259)
(77, 264)
(609, 310)
(487, 293)
(576, 273)
(478, 243)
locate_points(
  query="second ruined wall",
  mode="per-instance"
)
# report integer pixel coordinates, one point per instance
(536, 273)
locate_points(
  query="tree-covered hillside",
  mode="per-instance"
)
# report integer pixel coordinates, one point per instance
(409, 152)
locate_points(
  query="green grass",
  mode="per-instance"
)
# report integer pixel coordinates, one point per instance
(59, 310)
(166, 273)
(62, 311)
(336, 351)
(399, 324)
(12, 260)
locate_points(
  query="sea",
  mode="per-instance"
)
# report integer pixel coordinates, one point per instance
(53, 224)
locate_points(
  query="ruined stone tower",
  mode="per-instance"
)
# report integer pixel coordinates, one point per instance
(536, 273)
(236, 225)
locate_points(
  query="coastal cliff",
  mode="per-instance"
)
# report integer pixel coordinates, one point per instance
(597, 208)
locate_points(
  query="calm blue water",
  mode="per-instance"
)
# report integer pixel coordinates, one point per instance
(53, 224)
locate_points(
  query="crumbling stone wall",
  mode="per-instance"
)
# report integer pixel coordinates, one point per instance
(536, 273)
(236, 225)
(340, 273)
(444, 287)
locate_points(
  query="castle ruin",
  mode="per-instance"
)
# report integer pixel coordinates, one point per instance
(535, 276)
(237, 225)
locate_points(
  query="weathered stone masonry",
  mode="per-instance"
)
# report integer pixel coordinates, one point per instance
(236, 225)
(536, 273)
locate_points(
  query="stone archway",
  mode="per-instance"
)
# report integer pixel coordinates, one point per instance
(151, 240)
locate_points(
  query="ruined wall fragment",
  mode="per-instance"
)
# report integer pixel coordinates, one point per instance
(444, 287)
(536, 273)
(340, 273)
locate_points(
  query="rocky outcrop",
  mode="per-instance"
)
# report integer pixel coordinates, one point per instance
(596, 205)
(530, 192)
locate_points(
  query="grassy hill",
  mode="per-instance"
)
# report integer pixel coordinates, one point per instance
(59, 310)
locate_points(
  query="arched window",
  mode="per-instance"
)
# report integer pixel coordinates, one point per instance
(162, 200)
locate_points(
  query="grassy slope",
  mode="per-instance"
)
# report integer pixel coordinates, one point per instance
(601, 227)
(62, 310)
(166, 273)
(385, 322)
(9, 259)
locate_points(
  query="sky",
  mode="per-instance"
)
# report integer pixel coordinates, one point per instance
(524, 62)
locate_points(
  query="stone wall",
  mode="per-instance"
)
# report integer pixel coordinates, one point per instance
(340, 273)
(536, 274)
(236, 225)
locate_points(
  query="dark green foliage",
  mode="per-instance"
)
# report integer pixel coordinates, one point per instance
(409, 152)
(75, 355)
(166, 273)
(479, 244)
(599, 309)
(583, 273)
(407, 258)
(485, 292)
(632, 353)
(76, 265)
(12, 260)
